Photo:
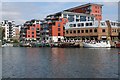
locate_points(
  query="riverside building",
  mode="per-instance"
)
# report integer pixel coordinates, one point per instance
(53, 27)
(89, 30)
(9, 29)
(30, 31)
(90, 8)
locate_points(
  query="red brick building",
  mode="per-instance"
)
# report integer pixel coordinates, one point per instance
(30, 31)
(90, 8)
(53, 29)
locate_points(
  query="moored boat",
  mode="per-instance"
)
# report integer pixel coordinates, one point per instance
(118, 45)
(7, 45)
(97, 44)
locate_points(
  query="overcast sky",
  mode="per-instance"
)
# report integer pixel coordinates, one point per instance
(22, 11)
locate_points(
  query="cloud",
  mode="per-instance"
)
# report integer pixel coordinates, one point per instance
(60, 1)
(22, 11)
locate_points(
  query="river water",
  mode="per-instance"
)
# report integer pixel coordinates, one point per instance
(20, 62)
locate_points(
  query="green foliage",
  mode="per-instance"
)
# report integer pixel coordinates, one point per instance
(15, 41)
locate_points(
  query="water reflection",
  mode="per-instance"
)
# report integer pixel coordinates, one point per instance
(60, 63)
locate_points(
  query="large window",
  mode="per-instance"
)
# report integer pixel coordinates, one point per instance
(82, 18)
(71, 18)
(64, 15)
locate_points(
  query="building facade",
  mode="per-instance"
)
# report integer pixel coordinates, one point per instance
(30, 31)
(9, 29)
(90, 8)
(52, 29)
(92, 31)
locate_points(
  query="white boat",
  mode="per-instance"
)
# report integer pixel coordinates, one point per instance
(98, 44)
(6, 45)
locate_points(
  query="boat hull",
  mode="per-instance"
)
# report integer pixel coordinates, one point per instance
(97, 45)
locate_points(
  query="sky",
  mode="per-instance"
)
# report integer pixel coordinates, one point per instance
(22, 11)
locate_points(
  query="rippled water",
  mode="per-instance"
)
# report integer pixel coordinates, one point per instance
(59, 62)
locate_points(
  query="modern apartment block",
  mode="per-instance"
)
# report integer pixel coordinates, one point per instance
(30, 31)
(17, 29)
(9, 28)
(90, 8)
(92, 30)
(52, 29)
(54, 24)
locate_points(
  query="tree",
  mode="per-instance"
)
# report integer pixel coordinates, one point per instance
(2, 33)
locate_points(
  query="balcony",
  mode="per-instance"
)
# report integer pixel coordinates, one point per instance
(37, 33)
(45, 31)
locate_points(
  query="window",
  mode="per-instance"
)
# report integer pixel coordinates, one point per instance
(58, 29)
(28, 35)
(90, 24)
(78, 31)
(60, 20)
(78, 24)
(96, 7)
(67, 31)
(74, 25)
(70, 31)
(82, 31)
(64, 15)
(82, 18)
(86, 31)
(77, 16)
(87, 24)
(28, 32)
(37, 28)
(58, 25)
(58, 34)
(32, 28)
(74, 31)
(103, 30)
(77, 20)
(71, 25)
(95, 30)
(90, 30)
(82, 24)
(102, 24)
(71, 18)
(32, 32)
(32, 36)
